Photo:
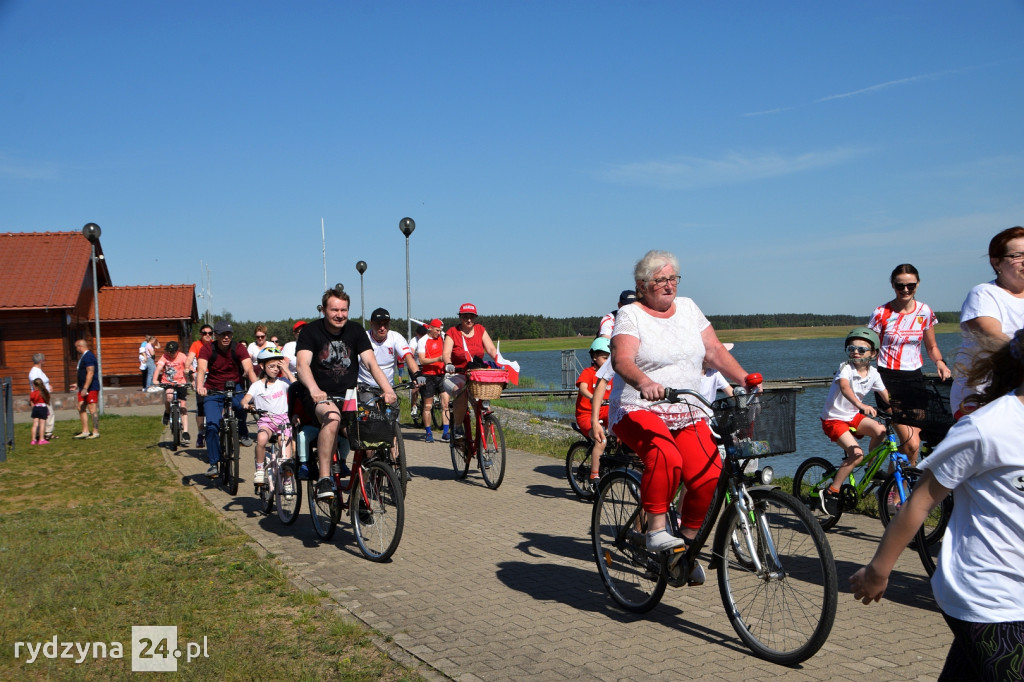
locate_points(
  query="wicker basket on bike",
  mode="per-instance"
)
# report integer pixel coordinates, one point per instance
(764, 423)
(486, 383)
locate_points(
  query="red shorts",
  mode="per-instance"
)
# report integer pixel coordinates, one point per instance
(834, 428)
(88, 397)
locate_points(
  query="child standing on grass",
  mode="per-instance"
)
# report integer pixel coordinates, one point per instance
(845, 417)
(40, 400)
(600, 351)
(270, 394)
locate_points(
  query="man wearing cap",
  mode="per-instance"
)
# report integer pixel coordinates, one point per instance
(430, 353)
(328, 354)
(389, 347)
(608, 321)
(218, 363)
(289, 348)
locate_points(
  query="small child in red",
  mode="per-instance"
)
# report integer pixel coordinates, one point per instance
(40, 399)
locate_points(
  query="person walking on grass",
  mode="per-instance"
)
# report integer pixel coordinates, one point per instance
(39, 398)
(88, 388)
(38, 360)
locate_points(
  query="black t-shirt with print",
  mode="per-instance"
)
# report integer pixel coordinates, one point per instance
(335, 363)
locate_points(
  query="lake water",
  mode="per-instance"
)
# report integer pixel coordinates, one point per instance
(776, 360)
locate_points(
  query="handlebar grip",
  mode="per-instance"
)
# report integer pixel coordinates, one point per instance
(752, 380)
(672, 395)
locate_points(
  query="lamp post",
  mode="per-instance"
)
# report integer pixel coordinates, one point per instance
(407, 225)
(361, 267)
(92, 231)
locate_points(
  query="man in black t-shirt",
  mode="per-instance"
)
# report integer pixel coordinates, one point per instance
(327, 356)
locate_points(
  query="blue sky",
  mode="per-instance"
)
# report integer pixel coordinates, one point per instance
(790, 153)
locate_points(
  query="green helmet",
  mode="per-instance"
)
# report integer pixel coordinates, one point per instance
(865, 334)
(601, 345)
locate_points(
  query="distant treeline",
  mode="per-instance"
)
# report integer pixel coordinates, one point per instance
(541, 327)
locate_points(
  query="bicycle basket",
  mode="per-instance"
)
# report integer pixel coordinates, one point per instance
(762, 424)
(924, 404)
(370, 428)
(487, 384)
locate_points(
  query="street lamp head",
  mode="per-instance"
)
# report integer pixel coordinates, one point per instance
(92, 231)
(361, 266)
(407, 225)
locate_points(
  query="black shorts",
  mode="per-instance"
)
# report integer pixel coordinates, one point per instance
(434, 385)
(40, 412)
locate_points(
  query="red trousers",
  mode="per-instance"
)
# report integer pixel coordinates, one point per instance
(689, 455)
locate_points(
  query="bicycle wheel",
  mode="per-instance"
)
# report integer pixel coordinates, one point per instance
(491, 451)
(811, 479)
(460, 450)
(577, 469)
(783, 611)
(632, 576)
(379, 518)
(398, 458)
(231, 453)
(175, 427)
(323, 513)
(929, 551)
(266, 494)
(889, 503)
(287, 494)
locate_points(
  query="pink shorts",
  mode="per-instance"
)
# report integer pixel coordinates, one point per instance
(834, 428)
(275, 423)
(88, 397)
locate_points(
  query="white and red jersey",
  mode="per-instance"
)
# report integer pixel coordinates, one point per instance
(901, 335)
(388, 353)
(607, 325)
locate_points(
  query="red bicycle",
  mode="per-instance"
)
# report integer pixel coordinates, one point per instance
(487, 444)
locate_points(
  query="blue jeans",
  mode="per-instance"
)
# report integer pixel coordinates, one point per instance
(214, 407)
(147, 381)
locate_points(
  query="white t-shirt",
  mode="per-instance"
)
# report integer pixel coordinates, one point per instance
(671, 353)
(980, 576)
(254, 351)
(607, 325)
(388, 353)
(901, 335)
(289, 352)
(836, 404)
(985, 300)
(38, 373)
(273, 397)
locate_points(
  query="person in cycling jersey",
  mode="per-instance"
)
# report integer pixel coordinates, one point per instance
(607, 324)
(430, 353)
(192, 365)
(389, 348)
(465, 346)
(220, 362)
(328, 354)
(171, 369)
(662, 341)
(271, 395)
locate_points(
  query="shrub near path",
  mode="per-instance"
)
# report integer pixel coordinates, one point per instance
(97, 536)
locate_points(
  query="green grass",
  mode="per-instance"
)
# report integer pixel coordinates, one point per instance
(98, 536)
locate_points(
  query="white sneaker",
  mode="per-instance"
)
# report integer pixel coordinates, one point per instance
(260, 478)
(662, 540)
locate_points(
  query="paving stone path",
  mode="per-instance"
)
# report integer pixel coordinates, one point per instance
(494, 585)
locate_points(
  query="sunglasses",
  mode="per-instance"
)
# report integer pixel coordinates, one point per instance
(900, 286)
(209, 333)
(467, 316)
(857, 349)
(261, 336)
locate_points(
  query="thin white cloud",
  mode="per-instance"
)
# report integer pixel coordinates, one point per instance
(687, 172)
(768, 112)
(20, 170)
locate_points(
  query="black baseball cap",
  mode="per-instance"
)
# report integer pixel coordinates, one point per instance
(380, 315)
(626, 297)
(222, 327)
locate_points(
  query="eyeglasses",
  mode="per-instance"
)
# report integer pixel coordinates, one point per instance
(900, 286)
(207, 333)
(1015, 257)
(662, 281)
(857, 349)
(261, 336)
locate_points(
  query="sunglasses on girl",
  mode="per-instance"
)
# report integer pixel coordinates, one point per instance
(900, 286)
(857, 349)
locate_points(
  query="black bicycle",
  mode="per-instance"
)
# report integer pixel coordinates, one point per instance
(371, 398)
(579, 456)
(776, 574)
(180, 393)
(229, 445)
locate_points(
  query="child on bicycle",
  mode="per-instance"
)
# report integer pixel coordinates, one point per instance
(846, 417)
(172, 369)
(271, 395)
(600, 351)
(39, 398)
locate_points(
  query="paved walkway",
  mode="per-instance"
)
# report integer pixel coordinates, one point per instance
(490, 585)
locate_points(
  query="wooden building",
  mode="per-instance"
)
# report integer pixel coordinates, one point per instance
(46, 304)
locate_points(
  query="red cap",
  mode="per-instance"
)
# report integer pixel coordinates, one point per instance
(467, 308)
(436, 323)
(298, 325)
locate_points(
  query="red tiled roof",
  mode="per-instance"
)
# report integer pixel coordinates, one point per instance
(160, 302)
(45, 269)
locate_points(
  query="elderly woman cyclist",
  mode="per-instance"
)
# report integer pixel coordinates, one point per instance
(464, 347)
(662, 341)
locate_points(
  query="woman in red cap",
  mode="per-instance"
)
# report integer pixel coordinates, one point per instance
(465, 343)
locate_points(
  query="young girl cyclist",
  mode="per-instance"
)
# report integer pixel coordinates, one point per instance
(172, 369)
(600, 351)
(270, 394)
(40, 399)
(845, 417)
